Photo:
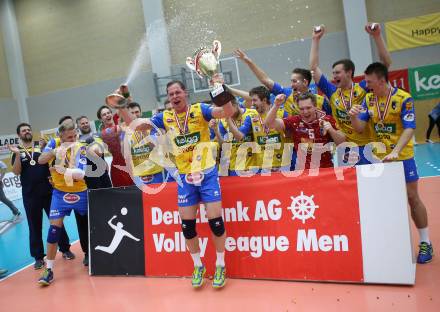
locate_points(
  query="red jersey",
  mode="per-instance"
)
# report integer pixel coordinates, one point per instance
(308, 134)
(113, 140)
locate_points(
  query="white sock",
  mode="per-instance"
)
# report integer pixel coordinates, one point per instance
(49, 264)
(220, 259)
(424, 235)
(196, 259)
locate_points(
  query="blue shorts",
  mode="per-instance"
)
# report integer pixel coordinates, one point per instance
(196, 188)
(63, 203)
(343, 156)
(410, 169)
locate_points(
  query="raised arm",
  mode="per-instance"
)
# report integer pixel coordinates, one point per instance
(258, 72)
(272, 121)
(111, 224)
(314, 53)
(374, 30)
(240, 93)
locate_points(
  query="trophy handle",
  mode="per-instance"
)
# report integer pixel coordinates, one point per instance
(217, 49)
(190, 63)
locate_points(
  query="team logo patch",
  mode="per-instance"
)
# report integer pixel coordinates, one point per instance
(409, 117)
(170, 120)
(194, 178)
(393, 105)
(71, 198)
(191, 114)
(83, 161)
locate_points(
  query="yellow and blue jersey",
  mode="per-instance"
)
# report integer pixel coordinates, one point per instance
(291, 102)
(246, 158)
(339, 111)
(140, 150)
(75, 158)
(265, 137)
(400, 116)
(193, 150)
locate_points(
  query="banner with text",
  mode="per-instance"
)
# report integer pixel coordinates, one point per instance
(294, 231)
(5, 140)
(425, 82)
(413, 32)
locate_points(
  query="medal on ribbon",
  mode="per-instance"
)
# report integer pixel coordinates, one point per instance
(183, 129)
(347, 106)
(382, 113)
(32, 162)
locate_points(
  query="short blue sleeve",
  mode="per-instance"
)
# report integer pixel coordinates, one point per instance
(365, 115)
(408, 114)
(326, 107)
(363, 85)
(326, 86)
(246, 127)
(206, 111)
(279, 89)
(50, 146)
(157, 120)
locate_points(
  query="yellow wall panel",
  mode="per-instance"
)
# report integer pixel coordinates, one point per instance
(70, 43)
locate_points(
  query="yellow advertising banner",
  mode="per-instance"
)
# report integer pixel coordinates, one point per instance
(413, 32)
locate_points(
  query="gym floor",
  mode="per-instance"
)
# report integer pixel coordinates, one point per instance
(74, 289)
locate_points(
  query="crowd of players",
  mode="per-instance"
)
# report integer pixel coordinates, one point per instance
(270, 128)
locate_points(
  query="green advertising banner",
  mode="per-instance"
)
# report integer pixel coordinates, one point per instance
(425, 82)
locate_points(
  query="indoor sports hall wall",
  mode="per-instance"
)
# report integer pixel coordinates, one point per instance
(75, 52)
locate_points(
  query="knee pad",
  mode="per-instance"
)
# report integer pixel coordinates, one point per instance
(217, 226)
(54, 234)
(189, 228)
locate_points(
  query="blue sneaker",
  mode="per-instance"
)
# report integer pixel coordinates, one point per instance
(46, 278)
(198, 276)
(425, 253)
(219, 277)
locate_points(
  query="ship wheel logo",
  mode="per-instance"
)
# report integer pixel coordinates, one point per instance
(302, 207)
